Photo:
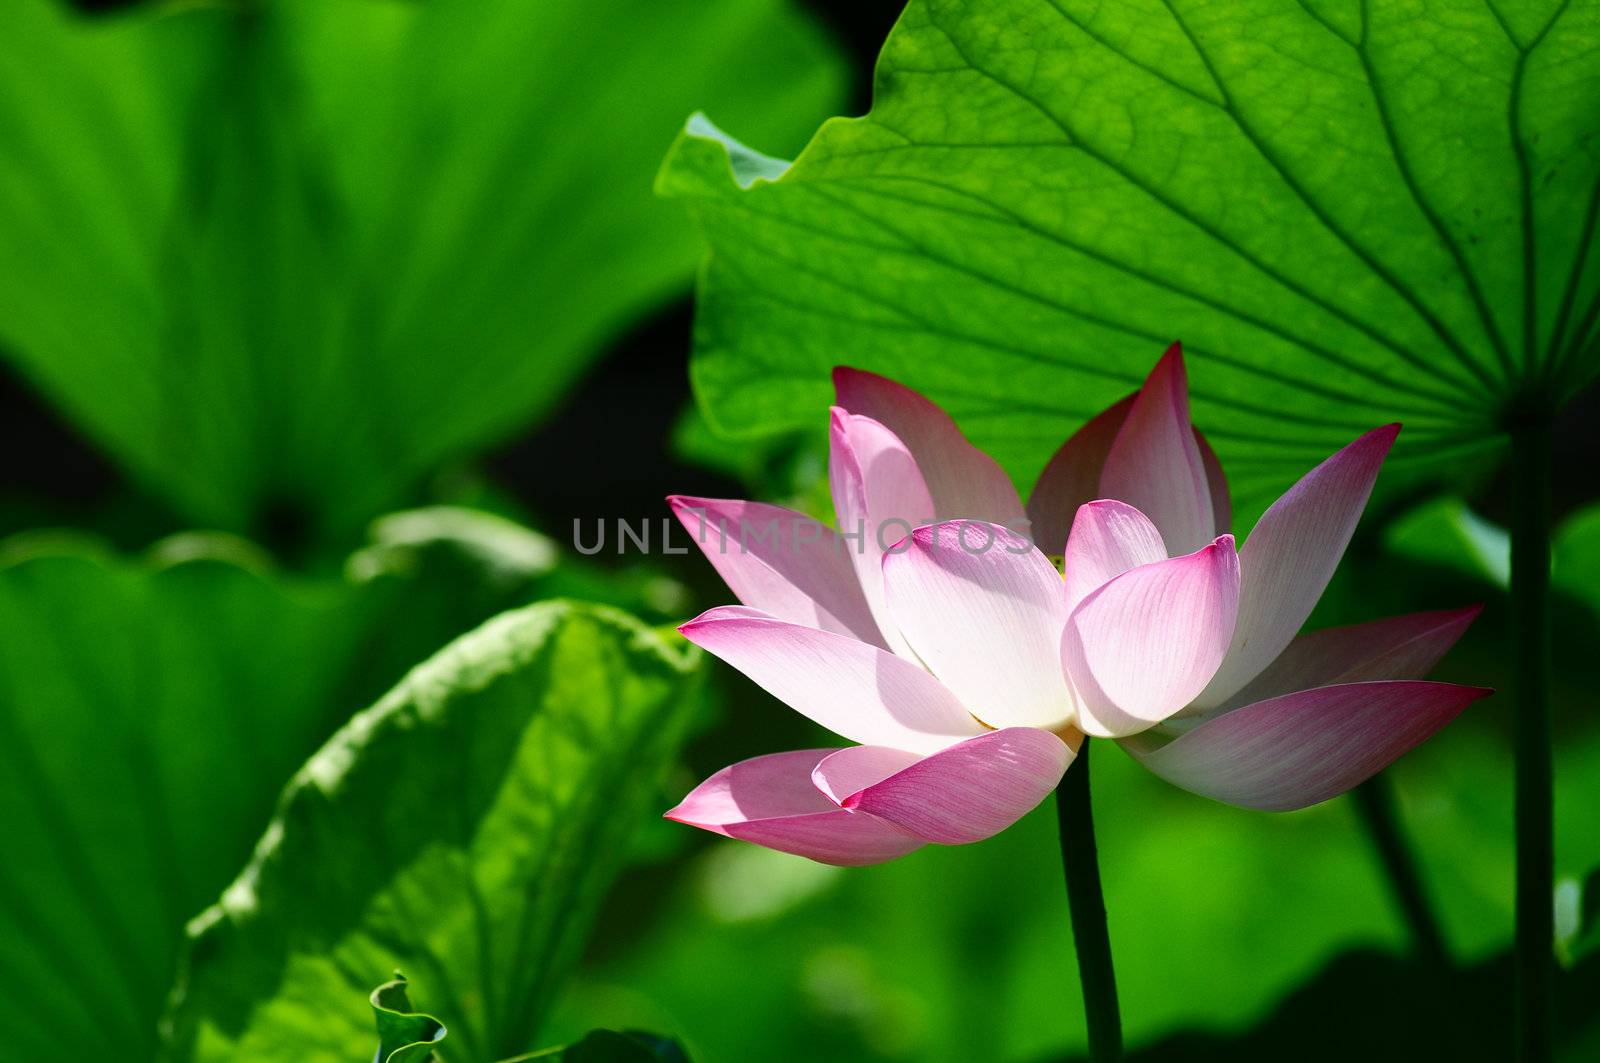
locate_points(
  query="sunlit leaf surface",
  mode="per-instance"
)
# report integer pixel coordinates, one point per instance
(1351, 213)
(463, 830)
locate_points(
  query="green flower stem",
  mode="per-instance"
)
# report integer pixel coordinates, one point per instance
(1530, 621)
(1088, 907)
(1375, 805)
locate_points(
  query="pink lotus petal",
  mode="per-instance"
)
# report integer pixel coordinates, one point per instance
(1290, 555)
(781, 562)
(767, 787)
(772, 801)
(963, 481)
(1296, 750)
(879, 496)
(1155, 463)
(983, 609)
(843, 774)
(1072, 477)
(855, 690)
(1108, 538)
(966, 793)
(1216, 484)
(1399, 647)
(1142, 646)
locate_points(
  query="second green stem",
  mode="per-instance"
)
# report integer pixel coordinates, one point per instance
(1530, 622)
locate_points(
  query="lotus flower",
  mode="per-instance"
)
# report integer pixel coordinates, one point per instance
(932, 631)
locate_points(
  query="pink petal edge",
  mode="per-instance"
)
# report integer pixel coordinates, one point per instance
(854, 689)
(963, 794)
(1396, 647)
(1138, 649)
(1108, 538)
(879, 496)
(1155, 464)
(963, 481)
(1302, 748)
(1291, 554)
(771, 801)
(1072, 477)
(799, 572)
(983, 609)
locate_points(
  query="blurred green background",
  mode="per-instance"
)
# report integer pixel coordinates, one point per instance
(323, 326)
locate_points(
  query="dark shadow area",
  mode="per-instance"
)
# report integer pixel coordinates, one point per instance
(1376, 1008)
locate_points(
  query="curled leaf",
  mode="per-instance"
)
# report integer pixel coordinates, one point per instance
(405, 1035)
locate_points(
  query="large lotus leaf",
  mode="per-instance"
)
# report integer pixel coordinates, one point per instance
(463, 830)
(283, 258)
(1350, 212)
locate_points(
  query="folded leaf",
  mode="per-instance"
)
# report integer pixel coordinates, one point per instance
(464, 828)
(405, 1035)
(1577, 906)
(1445, 532)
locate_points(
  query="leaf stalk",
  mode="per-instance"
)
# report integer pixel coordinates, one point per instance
(1375, 805)
(1530, 622)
